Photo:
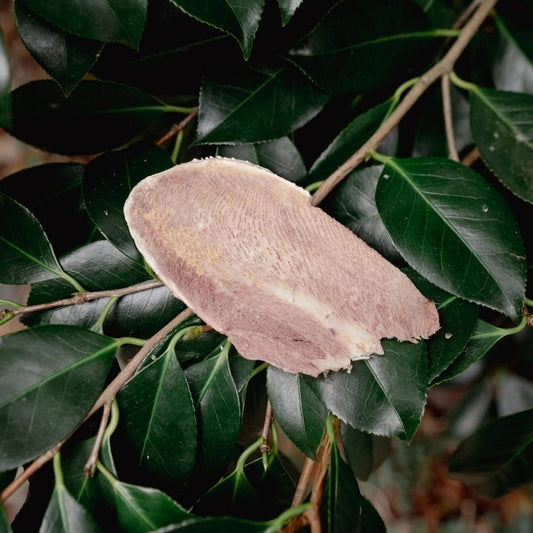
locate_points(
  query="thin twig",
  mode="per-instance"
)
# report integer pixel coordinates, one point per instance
(107, 397)
(265, 446)
(90, 465)
(318, 487)
(81, 298)
(307, 473)
(471, 157)
(176, 128)
(444, 66)
(448, 118)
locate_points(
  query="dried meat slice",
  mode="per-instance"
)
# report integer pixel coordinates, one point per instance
(288, 284)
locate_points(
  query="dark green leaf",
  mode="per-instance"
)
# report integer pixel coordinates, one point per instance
(364, 452)
(52, 192)
(502, 126)
(5, 83)
(65, 515)
(288, 8)
(5, 526)
(336, 54)
(142, 509)
(26, 253)
(158, 418)
(297, 408)
(107, 181)
(483, 338)
(394, 384)
(352, 137)
(353, 204)
(497, 458)
(217, 400)
(280, 156)
(212, 524)
(254, 104)
(49, 378)
(240, 19)
(117, 112)
(66, 57)
(451, 226)
(514, 20)
(103, 20)
(341, 502)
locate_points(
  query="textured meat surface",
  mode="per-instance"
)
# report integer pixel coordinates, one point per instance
(246, 251)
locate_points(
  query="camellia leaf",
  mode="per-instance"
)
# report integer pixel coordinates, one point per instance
(107, 181)
(66, 57)
(103, 20)
(117, 112)
(335, 55)
(27, 255)
(159, 420)
(297, 408)
(502, 126)
(43, 398)
(224, 523)
(5, 83)
(240, 19)
(288, 8)
(280, 156)
(217, 401)
(255, 103)
(498, 457)
(513, 21)
(395, 384)
(5, 526)
(451, 226)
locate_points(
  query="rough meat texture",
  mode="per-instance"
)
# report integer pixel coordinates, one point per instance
(246, 251)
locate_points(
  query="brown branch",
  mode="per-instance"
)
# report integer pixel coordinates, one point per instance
(265, 446)
(444, 66)
(176, 128)
(81, 298)
(471, 157)
(90, 465)
(107, 397)
(448, 119)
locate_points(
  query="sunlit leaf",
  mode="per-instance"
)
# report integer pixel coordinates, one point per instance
(103, 20)
(395, 384)
(288, 8)
(49, 378)
(255, 103)
(451, 226)
(497, 458)
(66, 57)
(117, 112)
(502, 126)
(297, 408)
(107, 181)
(238, 18)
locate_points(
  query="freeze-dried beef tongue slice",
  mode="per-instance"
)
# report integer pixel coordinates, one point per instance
(288, 284)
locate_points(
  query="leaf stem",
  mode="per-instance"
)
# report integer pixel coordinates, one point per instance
(58, 471)
(448, 118)
(11, 303)
(98, 326)
(278, 523)
(463, 84)
(444, 66)
(179, 109)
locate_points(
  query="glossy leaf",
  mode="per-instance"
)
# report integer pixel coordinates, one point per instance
(27, 255)
(238, 19)
(483, 338)
(5, 82)
(65, 57)
(158, 418)
(255, 103)
(280, 156)
(352, 137)
(364, 452)
(288, 8)
(52, 192)
(107, 181)
(502, 126)
(117, 112)
(65, 515)
(109, 20)
(5, 526)
(394, 384)
(452, 227)
(297, 408)
(43, 398)
(353, 204)
(211, 524)
(335, 55)
(497, 458)
(216, 398)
